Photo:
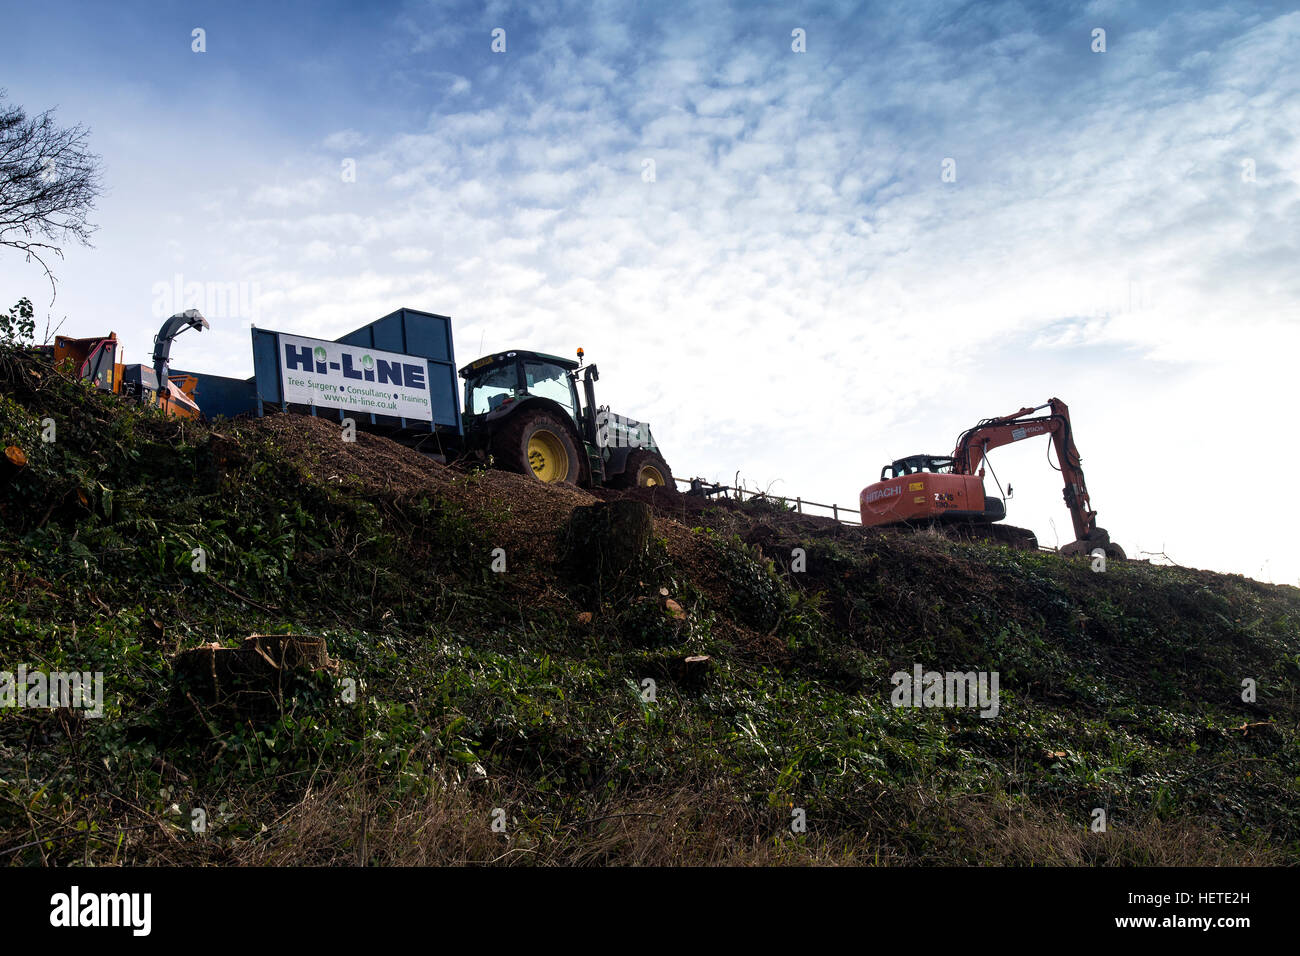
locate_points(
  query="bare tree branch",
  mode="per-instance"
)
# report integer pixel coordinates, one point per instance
(49, 181)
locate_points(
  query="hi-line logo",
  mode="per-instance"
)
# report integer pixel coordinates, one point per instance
(81, 690)
(316, 361)
(359, 378)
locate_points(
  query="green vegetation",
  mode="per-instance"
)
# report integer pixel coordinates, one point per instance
(18, 325)
(459, 691)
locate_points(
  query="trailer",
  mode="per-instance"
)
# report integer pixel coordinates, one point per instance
(527, 411)
(421, 338)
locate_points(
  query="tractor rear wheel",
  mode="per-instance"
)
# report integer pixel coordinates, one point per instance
(645, 469)
(537, 444)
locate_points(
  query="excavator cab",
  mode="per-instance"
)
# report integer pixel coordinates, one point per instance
(915, 464)
(921, 489)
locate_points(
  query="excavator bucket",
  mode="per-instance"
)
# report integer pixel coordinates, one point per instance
(1099, 539)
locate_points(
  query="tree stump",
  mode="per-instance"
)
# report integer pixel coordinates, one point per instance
(254, 676)
(12, 462)
(687, 672)
(606, 541)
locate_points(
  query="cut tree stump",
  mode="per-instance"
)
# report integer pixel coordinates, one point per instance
(253, 676)
(606, 540)
(12, 462)
(688, 671)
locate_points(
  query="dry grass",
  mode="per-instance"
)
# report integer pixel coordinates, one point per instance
(342, 824)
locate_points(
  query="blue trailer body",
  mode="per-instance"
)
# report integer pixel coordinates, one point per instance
(219, 395)
(427, 335)
(407, 331)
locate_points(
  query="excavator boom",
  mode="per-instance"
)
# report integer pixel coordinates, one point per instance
(886, 502)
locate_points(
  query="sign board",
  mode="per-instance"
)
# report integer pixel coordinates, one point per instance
(617, 431)
(354, 378)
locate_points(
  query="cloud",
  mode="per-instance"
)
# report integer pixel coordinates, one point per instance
(411, 254)
(343, 140)
(305, 192)
(798, 293)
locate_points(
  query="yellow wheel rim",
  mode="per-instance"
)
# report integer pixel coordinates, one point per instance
(547, 457)
(648, 476)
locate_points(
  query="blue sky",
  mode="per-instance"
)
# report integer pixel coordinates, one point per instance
(798, 294)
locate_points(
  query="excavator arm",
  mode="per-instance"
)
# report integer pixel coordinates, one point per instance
(975, 443)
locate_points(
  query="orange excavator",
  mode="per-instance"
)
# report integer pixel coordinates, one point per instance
(949, 491)
(98, 361)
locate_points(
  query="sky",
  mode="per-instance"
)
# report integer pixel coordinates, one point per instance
(801, 240)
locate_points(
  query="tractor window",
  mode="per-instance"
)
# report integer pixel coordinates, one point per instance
(489, 388)
(546, 380)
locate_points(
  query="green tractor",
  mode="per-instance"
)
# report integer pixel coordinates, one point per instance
(524, 410)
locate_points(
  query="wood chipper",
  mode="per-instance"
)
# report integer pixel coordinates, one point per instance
(99, 361)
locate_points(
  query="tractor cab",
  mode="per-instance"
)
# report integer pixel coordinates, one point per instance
(537, 413)
(496, 382)
(916, 464)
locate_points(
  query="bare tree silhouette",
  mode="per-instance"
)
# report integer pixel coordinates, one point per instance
(49, 181)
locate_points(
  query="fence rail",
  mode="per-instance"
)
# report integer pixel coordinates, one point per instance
(707, 489)
(701, 487)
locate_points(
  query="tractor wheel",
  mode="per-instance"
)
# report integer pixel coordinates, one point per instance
(537, 444)
(645, 469)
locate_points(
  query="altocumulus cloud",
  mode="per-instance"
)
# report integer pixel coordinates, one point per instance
(759, 248)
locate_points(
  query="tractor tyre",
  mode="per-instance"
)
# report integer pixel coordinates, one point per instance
(536, 443)
(644, 469)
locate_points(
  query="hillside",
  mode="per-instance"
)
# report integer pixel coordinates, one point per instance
(516, 700)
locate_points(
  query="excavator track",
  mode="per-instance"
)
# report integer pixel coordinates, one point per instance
(1010, 535)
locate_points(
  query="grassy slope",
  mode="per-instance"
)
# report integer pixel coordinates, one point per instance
(479, 690)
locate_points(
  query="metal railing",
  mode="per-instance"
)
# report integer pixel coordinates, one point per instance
(741, 494)
(707, 489)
